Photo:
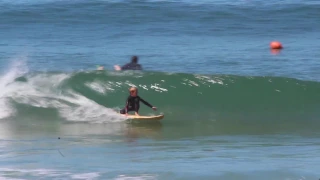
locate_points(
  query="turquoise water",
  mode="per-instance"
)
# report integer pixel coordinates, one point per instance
(233, 109)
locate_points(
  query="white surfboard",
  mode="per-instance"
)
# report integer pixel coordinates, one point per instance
(117, 67)
(100, 68)
(144, 118)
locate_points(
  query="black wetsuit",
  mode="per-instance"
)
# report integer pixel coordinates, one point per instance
(133, 104)
(131, 66)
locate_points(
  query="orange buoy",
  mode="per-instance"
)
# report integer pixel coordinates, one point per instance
(275, 45)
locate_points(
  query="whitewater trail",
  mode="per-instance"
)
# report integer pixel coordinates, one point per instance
(16, 69)
(41, 91)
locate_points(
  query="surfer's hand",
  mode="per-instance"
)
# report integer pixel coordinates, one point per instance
(154, 108)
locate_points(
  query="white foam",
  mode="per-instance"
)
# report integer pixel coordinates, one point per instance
(205, 79)
(32, 172)
(96, 87)
(86, 110)
(139, 177)
(191, 83)
(16, 69)
(143, 87)
(101, 87)
(157, 88)
(49, 173)
(42, 90)
(130, 84)
(85, 176)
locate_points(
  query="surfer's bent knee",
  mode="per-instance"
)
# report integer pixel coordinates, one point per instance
(122, 111)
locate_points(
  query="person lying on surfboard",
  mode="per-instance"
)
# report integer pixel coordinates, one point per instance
(133, 65)
(133, 102)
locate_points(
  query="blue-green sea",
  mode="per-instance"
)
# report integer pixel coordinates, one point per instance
(233, 109)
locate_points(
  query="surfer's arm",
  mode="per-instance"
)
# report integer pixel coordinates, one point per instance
(146, 103)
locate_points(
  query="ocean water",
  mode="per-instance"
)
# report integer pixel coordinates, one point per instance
(233, 108)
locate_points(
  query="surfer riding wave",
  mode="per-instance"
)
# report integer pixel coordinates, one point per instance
(133, 103)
